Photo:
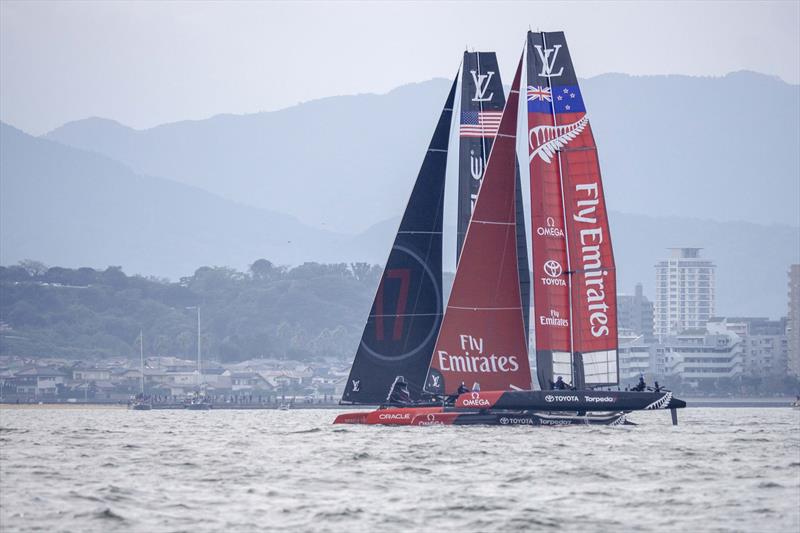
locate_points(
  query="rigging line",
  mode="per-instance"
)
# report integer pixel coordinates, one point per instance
(493, 223)
(566, 231)
(484, 308)
(405, 314)
(483, 137)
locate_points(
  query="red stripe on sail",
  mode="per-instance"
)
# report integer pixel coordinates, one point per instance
(482, 338)
(594, 282)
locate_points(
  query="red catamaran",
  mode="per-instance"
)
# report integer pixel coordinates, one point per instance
(482, 340)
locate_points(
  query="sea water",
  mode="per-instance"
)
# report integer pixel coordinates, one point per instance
(86, 469)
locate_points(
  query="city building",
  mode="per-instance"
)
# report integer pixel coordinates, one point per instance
(793, 322)
(764, 343)
(635, 313)
(635, 356)
(701, 356)
(684, 292)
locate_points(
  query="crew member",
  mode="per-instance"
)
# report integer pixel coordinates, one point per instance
(462, 388)
(641, 385)
(559, 384)
(399, 393)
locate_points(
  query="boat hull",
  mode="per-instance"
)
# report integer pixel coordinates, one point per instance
(568, 400)
(392, 416)
(518, 418)
(198, 407)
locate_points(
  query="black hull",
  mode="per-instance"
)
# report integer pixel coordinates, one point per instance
(539, 419)
(568, 400)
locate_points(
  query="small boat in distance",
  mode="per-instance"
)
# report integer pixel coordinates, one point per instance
(198, 402)
(140, 402)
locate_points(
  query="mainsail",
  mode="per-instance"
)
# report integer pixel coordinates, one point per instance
(404, 321)
(482, 103)
(483, 338)
(575, 308)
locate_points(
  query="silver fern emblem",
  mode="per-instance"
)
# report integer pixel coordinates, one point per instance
(546, 140)
(661, 403)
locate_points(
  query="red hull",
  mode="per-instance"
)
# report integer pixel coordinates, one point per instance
(398, 416)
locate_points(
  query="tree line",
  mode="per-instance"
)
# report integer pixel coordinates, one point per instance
(308, 312)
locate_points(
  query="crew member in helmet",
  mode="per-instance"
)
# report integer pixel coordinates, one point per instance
(463, 388)
(399, 393)
(640, 387)
(559, 384)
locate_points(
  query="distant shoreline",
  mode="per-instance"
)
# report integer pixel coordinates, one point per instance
(691, 403)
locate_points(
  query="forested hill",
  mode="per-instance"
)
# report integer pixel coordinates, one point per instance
(304, 313)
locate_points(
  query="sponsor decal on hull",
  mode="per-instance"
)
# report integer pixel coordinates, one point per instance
(555, 422)
(475, 400)
(517, 421)
(401, 416)
(478, 399)
(599, 399)
(550, 398)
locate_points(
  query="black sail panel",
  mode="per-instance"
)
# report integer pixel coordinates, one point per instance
(482, 103)
(406, 314)
(522, 257)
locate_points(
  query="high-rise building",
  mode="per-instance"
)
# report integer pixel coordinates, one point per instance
(793, 323)
(684, 292)
(635, 313)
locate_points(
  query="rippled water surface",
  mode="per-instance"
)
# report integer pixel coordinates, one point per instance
(112, 469)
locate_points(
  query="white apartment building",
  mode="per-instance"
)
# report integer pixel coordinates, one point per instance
(634, 356)
(684, 292)
(697, 355)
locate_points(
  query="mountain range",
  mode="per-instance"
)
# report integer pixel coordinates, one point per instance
(719, 148)
(686, 162)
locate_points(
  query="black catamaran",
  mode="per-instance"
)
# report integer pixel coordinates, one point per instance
(481, 340)
(404, 321)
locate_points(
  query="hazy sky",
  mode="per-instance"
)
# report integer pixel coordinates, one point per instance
(146, 63)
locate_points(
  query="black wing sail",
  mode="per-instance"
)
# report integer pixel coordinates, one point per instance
(406, 314)
(482, 103)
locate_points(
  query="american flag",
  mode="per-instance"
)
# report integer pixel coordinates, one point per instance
(480, 123)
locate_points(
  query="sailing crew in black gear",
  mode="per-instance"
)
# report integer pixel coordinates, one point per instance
(462, 388)
(399, 393)
(559, 384)
(640, 387)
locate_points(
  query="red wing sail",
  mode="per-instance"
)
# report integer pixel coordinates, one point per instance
(573, 262)
(482, 339)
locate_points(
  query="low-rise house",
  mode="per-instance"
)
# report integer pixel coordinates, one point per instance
(91, 374)
(39, 381)
(244, 383)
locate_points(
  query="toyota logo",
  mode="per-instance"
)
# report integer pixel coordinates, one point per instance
(549, 398)
(552, 268)
(504, 420)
